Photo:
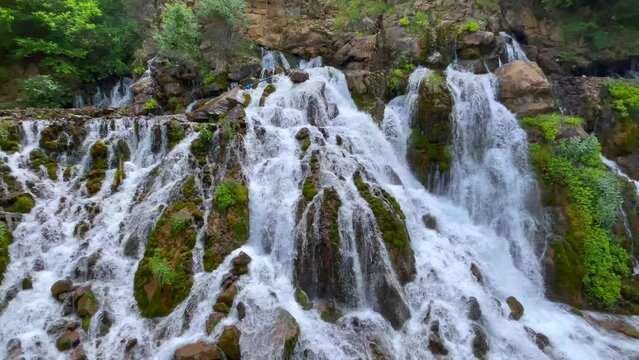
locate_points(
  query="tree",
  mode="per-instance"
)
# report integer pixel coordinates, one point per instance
(178, 39)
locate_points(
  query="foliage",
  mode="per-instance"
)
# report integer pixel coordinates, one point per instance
(175, 133)
(178, 39)
(352, 12)
(161, 269)
(139, 70)
(151, 104)
(206, 135)
(550, 124)
(231, 11)
(23, 204)
(404, 21)
(626, 97)
(593, 200)
(179, 224)
(72, 40)
(469, 26)
(5, 240)
(43, 91)
(403, 68)
(415, 24)
(229, 193)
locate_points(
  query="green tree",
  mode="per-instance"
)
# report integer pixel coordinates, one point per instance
(178, 39)
(231, 11)
(43, 91)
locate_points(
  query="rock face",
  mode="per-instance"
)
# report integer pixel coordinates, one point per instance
(229, 342)
(524, 88)
(198, 351)
(219, 106)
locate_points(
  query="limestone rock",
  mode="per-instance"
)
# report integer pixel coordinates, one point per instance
(60, 288)
(524, 88)
(516, 308)
(215, 108)
(285, 333)
(298, 76)
(198, 351)
(229, 342)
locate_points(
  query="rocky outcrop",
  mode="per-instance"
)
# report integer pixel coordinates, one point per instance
(215, 108)
(524, 89)
(198, 351)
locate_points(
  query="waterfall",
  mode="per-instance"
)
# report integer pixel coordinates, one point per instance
(271, 60)
(511, 49)
(120, 96)
(487, 221)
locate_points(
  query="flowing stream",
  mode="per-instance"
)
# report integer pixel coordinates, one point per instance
(490, 219)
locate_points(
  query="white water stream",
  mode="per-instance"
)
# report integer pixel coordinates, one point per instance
(489, 219)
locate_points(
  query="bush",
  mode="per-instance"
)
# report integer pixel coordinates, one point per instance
(179, 224)
(231, 11)
(469, 26)
(626, 97)
(161, 269)
(178, 39)
(230, 193)
(550, 124)
(43, 91)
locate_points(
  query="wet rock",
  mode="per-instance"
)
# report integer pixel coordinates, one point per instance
(131, 247)
(286, 333)
(61, 288)
(540, 339)
(330, 314)
(38, 264)
(72, 325)
(430, 221)
(474, 310)
(476, 273)
(67, 341)
(480, 343)
(213, 320)
(229, 342)
(130, 344)
(78, 354)
(524, 88)
(217, 107)
(436, 345)
(241, 310)
(87, 304)
(14, 350)
(240, 264)
(198, 351)
(228, 295)
(268, 90)
(27, 283)
(222, 308)
(105, 321)
(303, 300)
(516, 308)
(298, 76)
(302, 134)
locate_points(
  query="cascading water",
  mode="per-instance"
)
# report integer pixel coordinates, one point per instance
(120, 96)
(511, 49)
(486, 221)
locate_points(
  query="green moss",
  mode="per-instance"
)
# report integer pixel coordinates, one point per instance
(86, 323)
(94, 178)
(151, 105)
(23, 204)
(8, 138)
(175, 133)
(626, 98)
(364, 102)
(469, 26)
(5, 240)
(303, 300)
(388, 214)
(230, 193)
(550, 124)
(39, 159)
(589, 261)
(306, 143)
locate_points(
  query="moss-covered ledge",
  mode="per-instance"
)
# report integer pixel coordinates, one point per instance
(5, 240)
(228, 226)
(391, 224)
(99, 162)
(589, 262)
(428, 151)
(165, 274)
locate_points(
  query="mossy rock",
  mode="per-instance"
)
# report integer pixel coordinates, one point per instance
(39, 159)
(9, 137)
(302, 299)
(391, 225)
(88, 305)
(122, 154)
(57, 137)
(309, 188)
(5, 240)
(229, 342)
(176, 132)
(99, 162)
(428, 151)
(228, 227)
(268, 90)
(23, 204)
(165, 274)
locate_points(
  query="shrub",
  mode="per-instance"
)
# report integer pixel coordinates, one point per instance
(43, 91)
(178, 39)
(404, 21)
(550, 124)
(161, 269)
(229, 193)
(179, 224)
(626, 97)
(231, 11)
(151, 104)
(469, 26)
(206, 135)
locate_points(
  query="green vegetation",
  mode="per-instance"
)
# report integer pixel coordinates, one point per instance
(550, 124)
(231, 11)
(178, 39)
(23, 204)
(352, 13)
(99, 156)
(469, 26)
(175, 133)
(179, 224)
(415, 24)
(626, 98)
(71, 40)
(403, 68)
(5, 240)
(38, 159)
(590, 259)
(309, 189)
(388, 214)
(8, 138)
(151, 104)
(161, 270)
(43, 91)
(229, 193)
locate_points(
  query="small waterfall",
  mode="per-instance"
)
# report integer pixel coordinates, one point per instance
(271, 60)
(120, 96)
(511, 49)
(312, 63)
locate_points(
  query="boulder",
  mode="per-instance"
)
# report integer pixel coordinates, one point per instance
(78, 354)
(228, 295)
(67, 341)
(480, 343)
(516, 308)
(213, 320)
(524, 88)
(474, 310)
(476, 273)
(285, 333)
(299, 76)
(540, 339)
(88, 305)
(229, 342)
(241, 310)
(60, 288)
(198, 351)
(213, 109)
(436, 345)
(303, 300)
